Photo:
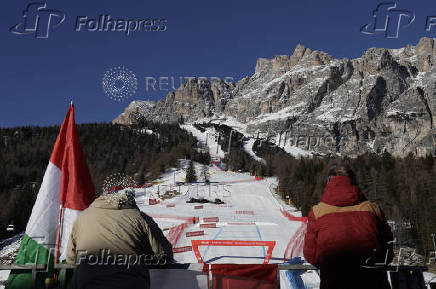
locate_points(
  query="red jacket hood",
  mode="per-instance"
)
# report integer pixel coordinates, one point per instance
(341, 192)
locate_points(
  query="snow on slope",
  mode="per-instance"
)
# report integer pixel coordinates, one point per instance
(251, 213)
(8, 248)
(242, 128)
(429, 278)
(261, 221)
(212, 144)
(241, 193)
(207, 137)
(248, 147)
(210, 134)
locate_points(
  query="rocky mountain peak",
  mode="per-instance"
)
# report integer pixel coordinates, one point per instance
(135, 108)
(384, 100)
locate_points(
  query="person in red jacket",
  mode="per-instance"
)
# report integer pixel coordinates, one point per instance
(348, 237)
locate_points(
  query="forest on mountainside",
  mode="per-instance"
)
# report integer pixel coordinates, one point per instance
(405, 188)
(140, 152)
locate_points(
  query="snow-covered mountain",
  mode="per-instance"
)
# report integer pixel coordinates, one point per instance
(136, 108)
(383, 101)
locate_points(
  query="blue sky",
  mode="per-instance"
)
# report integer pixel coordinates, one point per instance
(39, 77)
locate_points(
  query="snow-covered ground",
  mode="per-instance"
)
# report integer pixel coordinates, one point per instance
(8, 249)
(251, 212)
(429, 278)
(207, 138)
(241, 128)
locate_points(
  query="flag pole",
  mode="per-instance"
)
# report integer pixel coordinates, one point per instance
(58, 239)
(59, 235)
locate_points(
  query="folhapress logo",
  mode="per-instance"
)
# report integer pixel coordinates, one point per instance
(105, 23)
(387, 19)
(38, 20)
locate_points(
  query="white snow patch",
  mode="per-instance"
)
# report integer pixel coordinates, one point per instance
(207, 138)
(281, 114)
(429, 278)
(248, 147)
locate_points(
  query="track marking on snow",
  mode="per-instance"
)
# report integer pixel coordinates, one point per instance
(296, 242)
(260, 220)
(239, 181)
(260, 238)
(214, 238)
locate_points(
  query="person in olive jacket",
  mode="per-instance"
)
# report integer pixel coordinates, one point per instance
(114, 243)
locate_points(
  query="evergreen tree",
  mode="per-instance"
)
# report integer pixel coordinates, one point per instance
(191, 175)
(107, 148)
(205, 174)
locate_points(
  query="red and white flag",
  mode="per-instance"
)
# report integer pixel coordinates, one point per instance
(66, 190)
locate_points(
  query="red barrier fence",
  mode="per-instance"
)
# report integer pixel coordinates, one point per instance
(293, 218)
(297, 239)
(190, 220)
(175, 233)
(296, 242)
(198, 207)
(211, 219)
(182, 249)
(208, 225)
(195, 233)
(196, 243)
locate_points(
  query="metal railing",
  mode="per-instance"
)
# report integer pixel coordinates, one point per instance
(63, 268)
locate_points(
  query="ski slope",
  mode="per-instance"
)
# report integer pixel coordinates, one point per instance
(250, 213)
(207, 138)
